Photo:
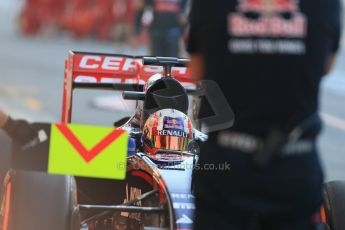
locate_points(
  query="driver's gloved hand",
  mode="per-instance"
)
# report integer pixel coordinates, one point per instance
(20, 131)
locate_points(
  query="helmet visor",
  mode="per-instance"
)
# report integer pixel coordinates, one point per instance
(174, 143)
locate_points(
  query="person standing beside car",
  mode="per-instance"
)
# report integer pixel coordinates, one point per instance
(268, 56)
(166, 20)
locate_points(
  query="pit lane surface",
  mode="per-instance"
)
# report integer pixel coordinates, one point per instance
(31, 79)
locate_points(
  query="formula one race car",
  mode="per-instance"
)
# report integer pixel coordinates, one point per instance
(135, 176)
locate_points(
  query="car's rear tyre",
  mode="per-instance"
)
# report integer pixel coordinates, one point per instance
(335, 204)
(33, 200)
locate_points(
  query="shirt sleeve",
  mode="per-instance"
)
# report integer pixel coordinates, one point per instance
(196, 22)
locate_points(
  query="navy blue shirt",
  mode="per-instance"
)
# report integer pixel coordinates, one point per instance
(166, 12)
(268, 61)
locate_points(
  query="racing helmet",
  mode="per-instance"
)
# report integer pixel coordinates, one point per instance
(163, 93)
(166, 131)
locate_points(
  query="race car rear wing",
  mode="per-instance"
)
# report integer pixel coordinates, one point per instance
(110, 72)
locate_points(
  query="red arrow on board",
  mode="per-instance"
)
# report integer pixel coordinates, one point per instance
(88, 155)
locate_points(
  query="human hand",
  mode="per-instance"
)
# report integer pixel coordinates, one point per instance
(20, 131)
(3, 118)
(183, 20)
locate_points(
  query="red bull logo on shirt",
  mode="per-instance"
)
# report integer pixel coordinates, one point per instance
(168, 6)
(262, 5)
(270, 23)
(263, 33)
